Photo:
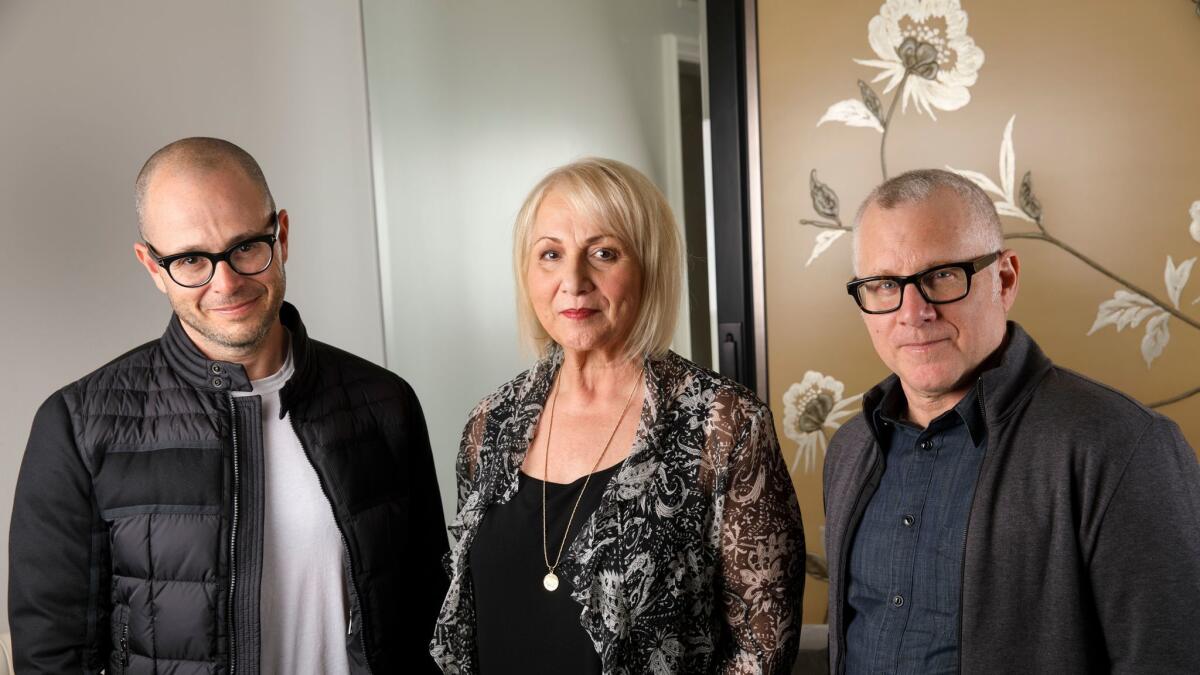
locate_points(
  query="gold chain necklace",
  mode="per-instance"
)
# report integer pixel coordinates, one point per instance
(550, 581)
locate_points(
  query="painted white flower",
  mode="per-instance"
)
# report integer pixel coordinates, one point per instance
(927, 39)
(809, 407)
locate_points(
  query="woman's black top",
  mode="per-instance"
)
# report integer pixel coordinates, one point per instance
(520, 626)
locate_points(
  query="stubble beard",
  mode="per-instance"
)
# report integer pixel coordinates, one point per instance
(238, 341)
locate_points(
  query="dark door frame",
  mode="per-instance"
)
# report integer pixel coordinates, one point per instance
(735, 159)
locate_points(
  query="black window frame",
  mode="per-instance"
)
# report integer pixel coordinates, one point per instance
(731, 44)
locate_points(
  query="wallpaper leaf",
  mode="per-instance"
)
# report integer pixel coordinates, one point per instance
(871, 100)
(1006, 205)
(1029, 202)
(1008, 160)
(824, 199)
(1156, 338)
(852, 112)
(824, 240)
(1177, 277)
(1124, 310)
(979, 179)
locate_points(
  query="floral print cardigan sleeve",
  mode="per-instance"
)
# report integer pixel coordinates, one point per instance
(694, 560)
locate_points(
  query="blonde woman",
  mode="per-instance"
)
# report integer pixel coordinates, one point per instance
(621, 509)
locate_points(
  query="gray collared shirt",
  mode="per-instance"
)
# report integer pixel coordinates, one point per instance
(905, 567)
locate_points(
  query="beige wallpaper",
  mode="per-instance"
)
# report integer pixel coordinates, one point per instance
(1096, 101)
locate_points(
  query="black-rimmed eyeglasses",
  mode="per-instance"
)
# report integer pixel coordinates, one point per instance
(193, 269)
(939, 285)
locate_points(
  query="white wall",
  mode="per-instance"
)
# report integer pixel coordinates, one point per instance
(472, 101)
(90, 89)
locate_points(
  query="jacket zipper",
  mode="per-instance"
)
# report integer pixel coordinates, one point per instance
(962, 568)
(362, 626)
(237, 486)
(855, 517)
(124, 645)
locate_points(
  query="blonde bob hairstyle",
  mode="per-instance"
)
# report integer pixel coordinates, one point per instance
(627, 206)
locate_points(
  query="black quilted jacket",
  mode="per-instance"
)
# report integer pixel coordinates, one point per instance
(136, 536)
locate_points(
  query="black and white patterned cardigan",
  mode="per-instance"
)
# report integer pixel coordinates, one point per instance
(694, 560)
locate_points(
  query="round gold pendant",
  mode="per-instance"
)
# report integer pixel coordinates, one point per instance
(550, 581)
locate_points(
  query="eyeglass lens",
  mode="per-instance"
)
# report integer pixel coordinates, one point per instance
(248, 258)
(940, 285)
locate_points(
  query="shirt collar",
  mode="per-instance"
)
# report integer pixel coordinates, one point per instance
(890, 412)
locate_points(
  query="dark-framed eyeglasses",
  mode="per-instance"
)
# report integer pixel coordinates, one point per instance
(193, 269)
(939, 285)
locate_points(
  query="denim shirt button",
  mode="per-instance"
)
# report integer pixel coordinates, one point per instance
(898, 601)
(908, 520)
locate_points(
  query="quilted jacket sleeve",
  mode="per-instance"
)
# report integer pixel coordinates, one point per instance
(432, 545)
(58, 557)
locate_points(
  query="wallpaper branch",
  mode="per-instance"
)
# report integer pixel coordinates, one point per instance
(887, 121)
(1046, 237)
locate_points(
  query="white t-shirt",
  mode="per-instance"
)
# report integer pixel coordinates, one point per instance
(304, 606)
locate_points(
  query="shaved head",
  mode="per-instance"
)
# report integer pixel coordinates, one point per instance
(982, 225)
(198, 155)
(203, 196)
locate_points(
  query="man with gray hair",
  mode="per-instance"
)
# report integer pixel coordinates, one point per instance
(233, 497)
(989, 511)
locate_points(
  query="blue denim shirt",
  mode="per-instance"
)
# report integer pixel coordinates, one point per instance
(905, 566)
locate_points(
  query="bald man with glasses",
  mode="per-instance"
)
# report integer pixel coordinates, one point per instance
(234, 497)
(989, 511)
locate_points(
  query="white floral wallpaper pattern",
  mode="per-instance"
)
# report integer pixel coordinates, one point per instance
(927, 57)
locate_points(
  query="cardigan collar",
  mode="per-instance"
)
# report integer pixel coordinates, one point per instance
(1004, 380)
(515, 438)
